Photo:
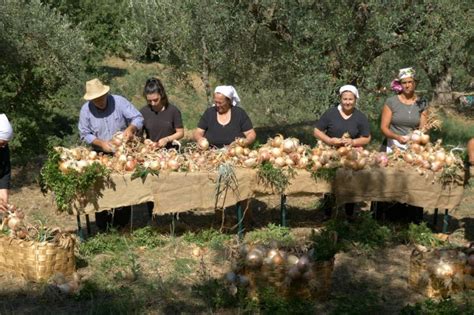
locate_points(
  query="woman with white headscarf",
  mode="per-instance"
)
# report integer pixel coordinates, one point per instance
(343, 125)
(402, 113)
(6, 134)
(225, 121)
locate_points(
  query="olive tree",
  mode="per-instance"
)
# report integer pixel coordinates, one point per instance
(42, 63)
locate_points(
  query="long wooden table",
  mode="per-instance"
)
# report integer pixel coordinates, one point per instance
(173, 192)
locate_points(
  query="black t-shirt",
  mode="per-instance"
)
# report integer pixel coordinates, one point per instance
(5, 168)
(161, 124)
(334, 125)
(219, 135)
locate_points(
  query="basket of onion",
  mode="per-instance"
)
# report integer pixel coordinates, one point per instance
(290, 272)
(34, 252)
(441, 272)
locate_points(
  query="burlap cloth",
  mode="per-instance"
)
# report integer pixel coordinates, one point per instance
(179, 192)
(396, 184)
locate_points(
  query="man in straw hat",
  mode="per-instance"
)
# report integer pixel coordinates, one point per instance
(105, 114)
(101, 117)
(6, 134)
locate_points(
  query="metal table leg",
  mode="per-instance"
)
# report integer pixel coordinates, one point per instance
(240, 222)
(445, 221)
(435, 218)
(88, 225)
(283, 210)
(79, 227)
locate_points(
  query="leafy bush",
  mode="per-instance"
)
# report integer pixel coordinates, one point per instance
(43, 62)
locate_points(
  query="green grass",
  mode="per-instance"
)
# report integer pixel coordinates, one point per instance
(272, 233)
(208, 238)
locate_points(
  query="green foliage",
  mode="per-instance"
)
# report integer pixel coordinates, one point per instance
(277, 178)
(207, 238)
(142, 172)
(42, 61)
(68, 187)
(103, 243)
(325, 245)
(272, 233)
(101, 21)
(270, 302)
(147, 237)
(460, 306)
(358, 302)
(216, 295)
(364, 233)
(326, 174)
(420, 234)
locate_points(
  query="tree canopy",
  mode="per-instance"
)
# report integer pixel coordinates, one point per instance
(286, 58)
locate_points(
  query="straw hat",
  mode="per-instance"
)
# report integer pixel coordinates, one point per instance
(94, 89)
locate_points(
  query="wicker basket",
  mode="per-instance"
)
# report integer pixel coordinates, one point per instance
(318, 288)
(34, 260)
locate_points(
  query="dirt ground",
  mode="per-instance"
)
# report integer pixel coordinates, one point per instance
(380, 275)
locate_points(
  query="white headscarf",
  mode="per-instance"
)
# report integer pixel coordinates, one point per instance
(6, 131)
(349, 88)
(229, 92)
(406, 73)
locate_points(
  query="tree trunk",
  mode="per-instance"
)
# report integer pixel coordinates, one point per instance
(443, 92)
(205, 72)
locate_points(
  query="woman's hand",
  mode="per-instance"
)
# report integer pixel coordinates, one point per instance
(162, 142)
(336, 141)
(347, 141)
(402, 139)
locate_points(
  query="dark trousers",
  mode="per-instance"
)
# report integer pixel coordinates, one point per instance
(398, 212)
(118, 218)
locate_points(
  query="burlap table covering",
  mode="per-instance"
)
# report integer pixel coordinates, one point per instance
(301, 184)
(179, 192)
(396, 184)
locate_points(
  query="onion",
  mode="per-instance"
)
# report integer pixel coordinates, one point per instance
(277, 141)
(272, 252)
(155, 165)
(81, 164)
(203, 144)
(238, 150)
(424, 139)
(246, 151)
(92, 155)
(173, 164)
(63, 166)
(123, 158)
(343, 150)
(292, 260)
(280, 162)
(303, 263)
(294, 156)
(415, 147)
(408, 157)
(253, 154)
(361, 163)
(130, 164)
(449, 160)
(13, 222)
(289, 145)
(289, 162)
(300, 149)
(436, 166)
(231, 152)
(254, 258)
(276, 152)
(243, 280)
(440, 155)
(251, 162)
(264, 155)
(303, 162)
(277, 260)
(241, 142)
